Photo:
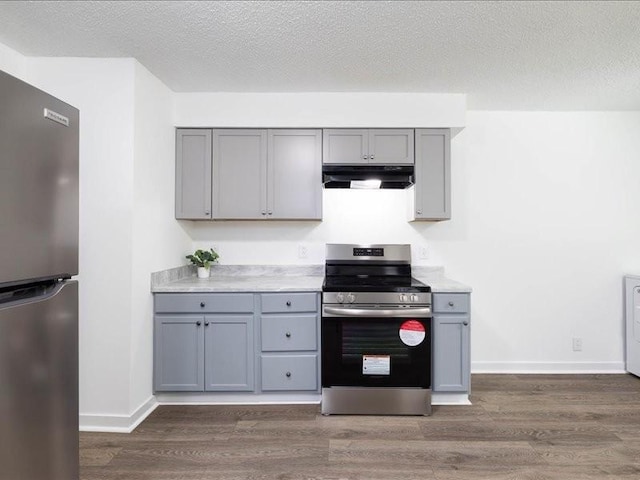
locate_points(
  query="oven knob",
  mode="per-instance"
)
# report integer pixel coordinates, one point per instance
(340, 297)
(414, 298)
(351, 298)
(403, 297)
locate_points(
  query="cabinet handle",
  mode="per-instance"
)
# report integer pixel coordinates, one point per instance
(198, 323)
(465, 323)
(202, 304)
(288, 374)
(288, 334)
(419, 212)
(206, 324)
(451, 304)
(206, 213)
(364, 157)
(288, 303)
(264, 212)
(269, 213)
(371, 157)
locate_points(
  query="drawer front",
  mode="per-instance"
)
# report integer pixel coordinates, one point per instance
(288, 333)
(289, 372)
(450, 302)
(289, 302)
(204, 302)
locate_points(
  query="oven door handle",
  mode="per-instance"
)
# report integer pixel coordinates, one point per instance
(374, 312)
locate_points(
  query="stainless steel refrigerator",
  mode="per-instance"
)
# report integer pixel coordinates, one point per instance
(38, 295)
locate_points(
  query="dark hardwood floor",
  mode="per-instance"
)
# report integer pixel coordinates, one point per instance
(538, 427)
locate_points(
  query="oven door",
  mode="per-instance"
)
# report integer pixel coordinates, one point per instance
(367, 346)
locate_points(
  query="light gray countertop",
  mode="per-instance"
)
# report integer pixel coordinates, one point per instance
(270, 278)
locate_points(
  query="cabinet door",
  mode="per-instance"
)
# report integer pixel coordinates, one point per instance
(345, 145)
(239, 174)
(294, 170)
(451, 366)
(391, 145)
(433, 175)
(193, 173)
(229, 353)
(178, 353)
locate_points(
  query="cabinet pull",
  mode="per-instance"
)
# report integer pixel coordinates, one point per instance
(465, 323)
(288, 334)
(202, 304)
(451, 304)
(198, 323)
(288, 303)
(288, 374)
(419, 212)
(364, 157)
(206, 213)
(269, 213)
(206, 324)
(371, 157)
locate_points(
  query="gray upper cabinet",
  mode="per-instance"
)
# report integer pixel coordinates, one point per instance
(240, 174)
(433, 175)
(383, 145)
(294, 188)
(267, 174)
(193, 173)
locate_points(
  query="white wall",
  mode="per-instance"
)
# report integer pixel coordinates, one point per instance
(550, 228)
(158, 240)
(12, 62)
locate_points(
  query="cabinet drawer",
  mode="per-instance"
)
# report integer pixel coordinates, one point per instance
(289, 302)
(450, 302)
(289, 372)
(204, 302)
(288, 333)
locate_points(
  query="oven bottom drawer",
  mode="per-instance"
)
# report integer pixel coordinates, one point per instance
(376, 401)
(289, 372)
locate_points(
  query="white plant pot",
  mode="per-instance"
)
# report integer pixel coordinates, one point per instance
(203, 272)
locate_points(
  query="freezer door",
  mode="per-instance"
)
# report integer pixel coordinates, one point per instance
(38, 184)
(39, 387)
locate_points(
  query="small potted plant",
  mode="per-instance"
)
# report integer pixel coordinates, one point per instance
(203, 260)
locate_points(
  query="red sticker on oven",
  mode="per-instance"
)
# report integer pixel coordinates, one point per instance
(412, 333)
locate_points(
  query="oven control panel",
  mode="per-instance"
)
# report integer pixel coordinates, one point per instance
(391, 298)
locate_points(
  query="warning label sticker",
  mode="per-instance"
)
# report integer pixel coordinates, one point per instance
(376, 365)
(412, 333)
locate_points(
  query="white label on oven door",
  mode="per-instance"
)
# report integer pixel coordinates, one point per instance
(412, 333)
(376, 365)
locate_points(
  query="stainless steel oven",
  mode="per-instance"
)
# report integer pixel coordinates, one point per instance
(376, 333)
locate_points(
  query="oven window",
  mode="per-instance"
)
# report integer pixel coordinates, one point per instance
(349, 345)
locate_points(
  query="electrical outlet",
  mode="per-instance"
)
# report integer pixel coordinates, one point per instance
(423, 253)
(577, 344)
(303, 251)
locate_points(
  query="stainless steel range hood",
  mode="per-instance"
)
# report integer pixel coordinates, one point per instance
(367, 176)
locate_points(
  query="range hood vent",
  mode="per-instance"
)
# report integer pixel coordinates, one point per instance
(364, 176)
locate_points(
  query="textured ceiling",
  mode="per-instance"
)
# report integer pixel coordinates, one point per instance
(503, 55)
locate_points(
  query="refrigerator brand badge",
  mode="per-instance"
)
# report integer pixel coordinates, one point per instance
(412, 333)
(56, 117)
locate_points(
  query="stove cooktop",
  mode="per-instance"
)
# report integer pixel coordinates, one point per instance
(377, 284)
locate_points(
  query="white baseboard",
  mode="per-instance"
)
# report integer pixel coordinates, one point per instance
(548, 367)
(450, 398)
(117, 423)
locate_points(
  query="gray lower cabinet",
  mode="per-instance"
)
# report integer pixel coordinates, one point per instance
(267, 174)
(214, 342)
(432, 191)
(451, 342)
(381, 145)
(203, 342)
(193, 173)
(289, 347)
